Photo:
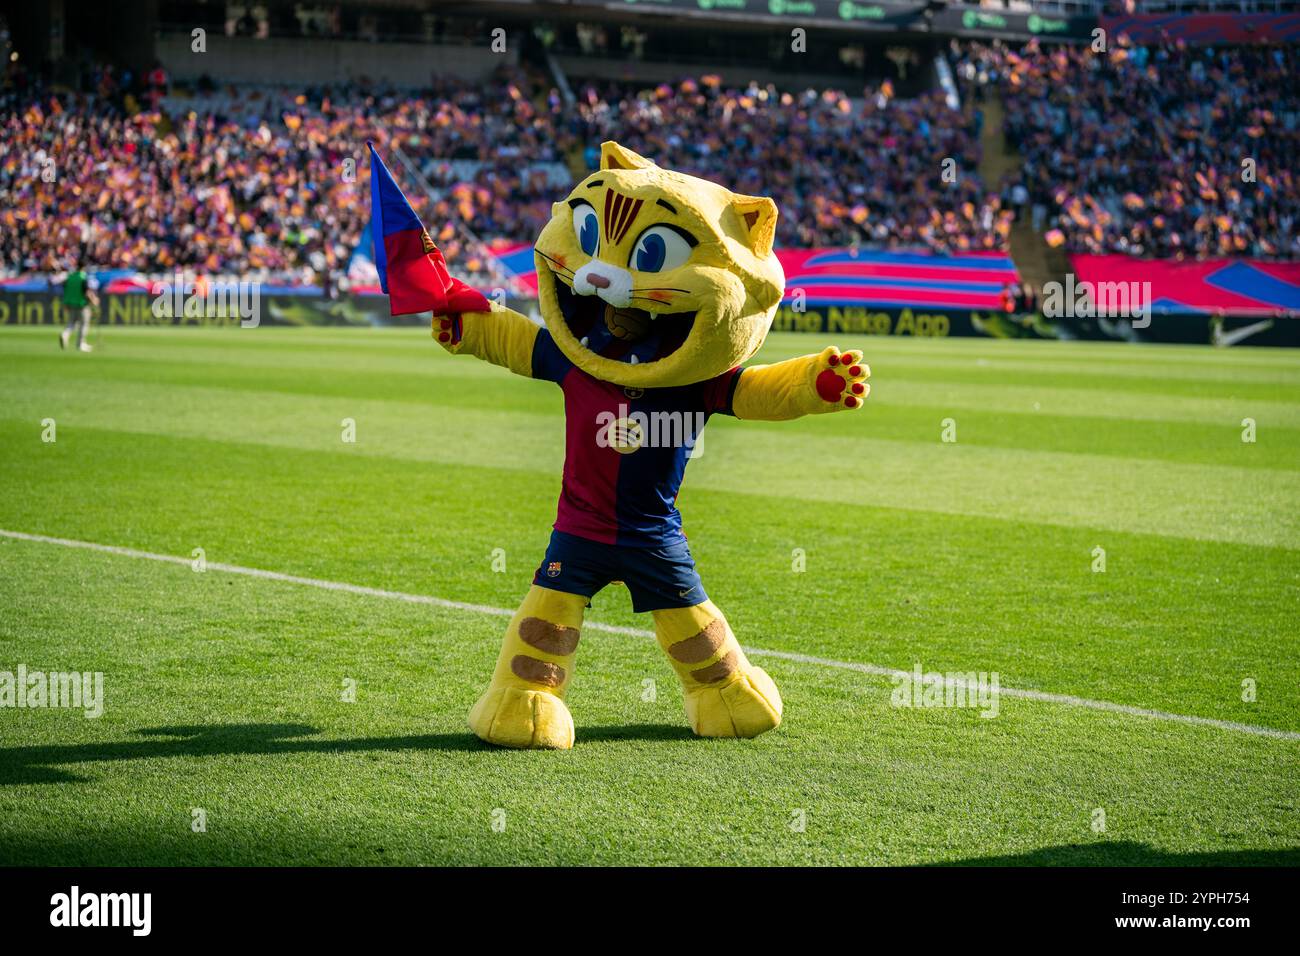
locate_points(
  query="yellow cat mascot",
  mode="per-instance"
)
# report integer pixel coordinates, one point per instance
(655, 287)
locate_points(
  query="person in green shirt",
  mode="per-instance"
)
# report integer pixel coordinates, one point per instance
(79, 297)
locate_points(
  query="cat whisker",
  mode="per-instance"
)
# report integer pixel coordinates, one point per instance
(559, 266)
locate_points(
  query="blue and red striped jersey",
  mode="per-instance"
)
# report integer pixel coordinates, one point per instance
(626, 450)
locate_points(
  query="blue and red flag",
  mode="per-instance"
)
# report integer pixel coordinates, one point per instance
(412, 270)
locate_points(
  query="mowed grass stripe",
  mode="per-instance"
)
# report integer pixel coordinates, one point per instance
(459, 381)
(1269, 406)
(1109, 372)
(375, 342)
(404, 373)
(1011, 419)
(400, 369)
(799, 462)
(1153, 356)
(1172, 624)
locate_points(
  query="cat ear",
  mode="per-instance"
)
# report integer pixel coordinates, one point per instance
(758, 219)
(614, 156)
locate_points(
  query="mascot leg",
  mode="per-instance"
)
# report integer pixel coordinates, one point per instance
(726, 696)
(523, 706)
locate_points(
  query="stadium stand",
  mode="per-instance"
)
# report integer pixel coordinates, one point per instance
(1140, 150)
(1135, 151)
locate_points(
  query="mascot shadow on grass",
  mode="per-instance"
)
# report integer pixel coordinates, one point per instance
(655, 287)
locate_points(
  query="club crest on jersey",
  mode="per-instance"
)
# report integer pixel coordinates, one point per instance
(553, 569)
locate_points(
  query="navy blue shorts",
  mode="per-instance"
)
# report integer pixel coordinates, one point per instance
(657, 578)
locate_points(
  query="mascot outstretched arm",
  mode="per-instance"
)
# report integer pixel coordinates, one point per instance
(655, 287)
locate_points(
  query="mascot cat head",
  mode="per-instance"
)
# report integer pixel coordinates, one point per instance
(651, 278)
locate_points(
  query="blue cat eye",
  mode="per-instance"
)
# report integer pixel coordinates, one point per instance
(650, 254)
(660, 248)
(587, 228)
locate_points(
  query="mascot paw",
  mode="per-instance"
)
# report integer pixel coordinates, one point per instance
(745, 706)
(513, 717)
(842, 377)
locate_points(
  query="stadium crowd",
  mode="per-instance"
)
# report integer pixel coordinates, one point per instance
(251, 182)
(1138, 150)
(843, 171)
(1165, 151)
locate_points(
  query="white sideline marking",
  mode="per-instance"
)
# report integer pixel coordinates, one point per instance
(1067, 699)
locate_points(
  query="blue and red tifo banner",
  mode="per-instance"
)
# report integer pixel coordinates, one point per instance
(917, 280)
(869, 278)
(878, 279)
(1236, 287)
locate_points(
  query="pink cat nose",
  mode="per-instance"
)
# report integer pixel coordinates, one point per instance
(598, 280)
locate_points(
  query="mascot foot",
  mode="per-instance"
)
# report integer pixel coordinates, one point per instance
(514, 717)
(745, 706)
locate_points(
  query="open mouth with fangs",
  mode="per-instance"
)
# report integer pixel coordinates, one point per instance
(634, 336)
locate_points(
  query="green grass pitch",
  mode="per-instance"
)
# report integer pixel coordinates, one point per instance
(223, 691)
